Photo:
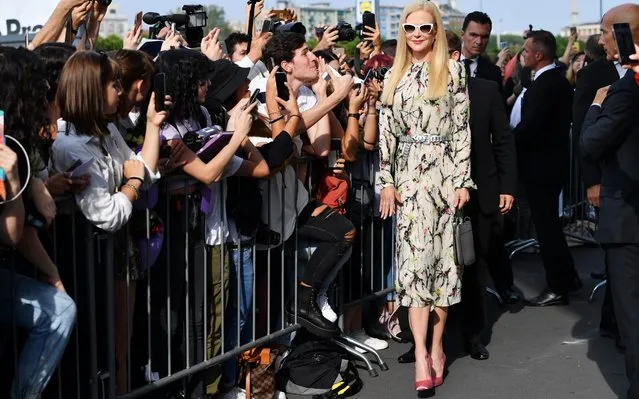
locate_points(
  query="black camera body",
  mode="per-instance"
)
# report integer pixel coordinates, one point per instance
(346, 32)
(379, 73)
(197, 16)
(104, 3)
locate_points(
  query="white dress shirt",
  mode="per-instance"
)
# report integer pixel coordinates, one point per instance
(99, 202)
(620, 70)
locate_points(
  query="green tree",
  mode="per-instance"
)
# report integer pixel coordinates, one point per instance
(217, 19)
(109, 43)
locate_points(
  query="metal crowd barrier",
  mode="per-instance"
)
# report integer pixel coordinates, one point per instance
(167, 350)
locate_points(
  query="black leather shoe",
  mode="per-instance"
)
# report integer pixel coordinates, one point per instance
(408, 357)
(510, 295)
(477, 351)
(548, 298)
(309, 315)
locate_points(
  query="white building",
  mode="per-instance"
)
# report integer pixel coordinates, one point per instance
(388, 20)
(114, 23)
(583, 30)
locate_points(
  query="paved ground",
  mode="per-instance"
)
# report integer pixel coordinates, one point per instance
(535, 353)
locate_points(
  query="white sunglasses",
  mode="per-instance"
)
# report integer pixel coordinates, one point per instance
(424, 28)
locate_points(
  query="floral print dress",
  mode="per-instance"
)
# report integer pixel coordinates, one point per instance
(425, 175)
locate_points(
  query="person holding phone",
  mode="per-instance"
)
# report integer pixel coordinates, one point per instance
(425, 177)
(610, 138)
(188, 76)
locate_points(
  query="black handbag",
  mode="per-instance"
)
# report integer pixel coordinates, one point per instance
(463, 242)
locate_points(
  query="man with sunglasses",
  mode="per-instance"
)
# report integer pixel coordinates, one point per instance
(475, 37)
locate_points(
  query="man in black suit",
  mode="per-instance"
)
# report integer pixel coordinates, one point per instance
(475, 37)
(542, 137)
(598, 74)
(494, 170)
(610, 136)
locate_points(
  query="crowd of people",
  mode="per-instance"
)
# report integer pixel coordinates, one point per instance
(249, 235)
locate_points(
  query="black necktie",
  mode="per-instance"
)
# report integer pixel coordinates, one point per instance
(467, 63)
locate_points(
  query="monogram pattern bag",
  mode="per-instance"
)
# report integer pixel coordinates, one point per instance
(257, 371)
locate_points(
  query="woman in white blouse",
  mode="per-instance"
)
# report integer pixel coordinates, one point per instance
(88, 95)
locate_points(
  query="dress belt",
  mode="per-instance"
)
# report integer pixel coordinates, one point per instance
(425, 139)
(406, 142)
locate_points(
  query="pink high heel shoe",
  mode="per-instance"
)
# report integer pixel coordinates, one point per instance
(439, 379)
(426, 384)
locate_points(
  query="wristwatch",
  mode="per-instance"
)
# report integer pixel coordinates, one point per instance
(354, 115)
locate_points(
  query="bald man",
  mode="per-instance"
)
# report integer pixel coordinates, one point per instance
(610, 137)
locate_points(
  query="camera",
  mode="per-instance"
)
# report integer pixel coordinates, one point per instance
(379, 73)
(197, 16)
(346, 33)
(104, 3)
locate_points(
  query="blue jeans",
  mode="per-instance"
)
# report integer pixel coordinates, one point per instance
(49, 316)
(241, 264)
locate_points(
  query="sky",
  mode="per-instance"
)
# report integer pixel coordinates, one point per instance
(507, 15)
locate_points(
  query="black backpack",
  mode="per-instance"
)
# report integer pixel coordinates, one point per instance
(319, 368)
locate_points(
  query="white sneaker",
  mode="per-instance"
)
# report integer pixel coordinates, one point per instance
(328, 312)
(374, 343)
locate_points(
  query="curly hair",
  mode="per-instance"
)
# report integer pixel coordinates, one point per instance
(184, 70)
(23, 95)
(54, 56)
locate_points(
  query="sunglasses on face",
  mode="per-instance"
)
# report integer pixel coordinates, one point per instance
(424, 28)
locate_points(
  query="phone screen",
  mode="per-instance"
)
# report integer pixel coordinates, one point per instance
(159, 87)
(625, 45)
(282, 90)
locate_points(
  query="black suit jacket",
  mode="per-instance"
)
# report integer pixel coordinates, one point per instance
(543, 135)
(493, 159)
(610, 136)
(489, 71)
(591, 78)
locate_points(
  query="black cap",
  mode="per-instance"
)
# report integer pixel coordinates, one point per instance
(226, 77)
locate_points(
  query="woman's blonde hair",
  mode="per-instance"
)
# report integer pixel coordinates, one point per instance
(81, 89)
(438, 66)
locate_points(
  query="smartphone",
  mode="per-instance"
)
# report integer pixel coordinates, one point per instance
(267, 26)
(279, 14)
(368, 19)
(625, 44)
(3, 191)
(253, 98)
(503, 45)
(282, 90)
(225, 47)
(159, 87)
(573, 30)
(138, 21)
(270, 64)
(82, 169)
(173, 27)
(339, 51)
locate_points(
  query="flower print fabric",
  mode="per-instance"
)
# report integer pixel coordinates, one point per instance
(425, 176)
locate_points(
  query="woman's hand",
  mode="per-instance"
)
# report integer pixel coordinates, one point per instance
(180, 155)
(173, 41)
(244, 121)
(375, 89)
(374, 36)
(154, 117)
(133, 168)
(132, 38)
(329, 38)
(210, 45)
(62, 183)
(9, 163)
(234, 114)
(365, 49)
(462, 196)
(291, 105)
(388, 200)
(356, 99)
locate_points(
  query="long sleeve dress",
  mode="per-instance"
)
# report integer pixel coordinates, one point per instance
(426, 174)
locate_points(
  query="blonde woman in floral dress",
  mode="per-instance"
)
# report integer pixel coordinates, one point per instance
(425, 176)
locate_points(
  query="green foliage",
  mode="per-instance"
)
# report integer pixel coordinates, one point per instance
(217, 19)
(109, 43)
(515, 44)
